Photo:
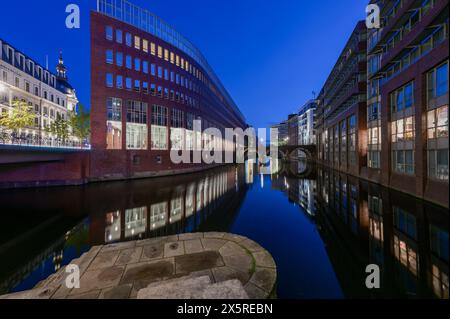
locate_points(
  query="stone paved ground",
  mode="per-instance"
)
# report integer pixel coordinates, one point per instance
(120, 271)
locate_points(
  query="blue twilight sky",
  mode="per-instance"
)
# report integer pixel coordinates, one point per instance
(270, 55)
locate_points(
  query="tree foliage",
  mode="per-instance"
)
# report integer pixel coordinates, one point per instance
(59, 128)
(21, 116)
(81, 123)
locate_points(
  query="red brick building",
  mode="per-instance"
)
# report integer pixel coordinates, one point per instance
(148, 85)
(407, 101)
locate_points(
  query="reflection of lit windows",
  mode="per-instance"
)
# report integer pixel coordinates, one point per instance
(190, 193)
(439, 242)
(375, 218)
(406, 255)
(405, 222)
(440, 282)
(158, 215)
(176, 210)
(199, 196)
(112, 229)
(135, 221)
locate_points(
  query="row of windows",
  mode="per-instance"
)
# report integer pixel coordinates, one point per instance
(155, 50)
(146, 88)
(26, 86)
(150, 68)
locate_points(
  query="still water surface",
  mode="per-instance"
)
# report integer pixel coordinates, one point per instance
(322, 228)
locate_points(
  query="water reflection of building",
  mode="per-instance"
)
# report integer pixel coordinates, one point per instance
(173, 208)
(363, 224)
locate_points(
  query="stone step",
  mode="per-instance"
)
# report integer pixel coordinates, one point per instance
(194, 288)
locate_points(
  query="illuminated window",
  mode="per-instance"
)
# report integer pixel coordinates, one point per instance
(137, 42)
(137, 125)
(145, 46)
(114, 124)
(158, 215)
(152, 48)
(177, 130)
(159, 127)
(166, 54)
(160, 52)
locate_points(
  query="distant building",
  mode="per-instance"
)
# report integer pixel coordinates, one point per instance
(307, 120)
(49, 94)
(283, 132)
(293, 129)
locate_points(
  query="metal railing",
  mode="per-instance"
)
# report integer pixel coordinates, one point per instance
(29, 140)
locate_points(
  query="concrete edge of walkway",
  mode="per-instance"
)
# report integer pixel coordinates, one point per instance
(258, 273)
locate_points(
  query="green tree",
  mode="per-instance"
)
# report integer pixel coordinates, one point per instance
(60, 128)
(81, 123)
(21, 116)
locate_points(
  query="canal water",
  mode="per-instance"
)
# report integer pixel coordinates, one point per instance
(322, 228)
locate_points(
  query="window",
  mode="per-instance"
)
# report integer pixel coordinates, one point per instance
(119, 36)
(166, 54)
(109, 57)
(160, 72)
(437, 133)
(109, 33)
(137, 42)
(159, 127)
(137, 64)
(145, 46)
(145, 87)
(128, 83)
(152, 48)
(109, 80)
(403, 161)
(152, 69)
(137, 85)
(352, 154)
(128, 62)
(145, 67)
(128, 39)
(119, 82)
(373, 112)
(177, 130)
(403, 130)
(114, 109)
(160, 52)
(402, 98)
(114, 124)
(119, 59)
(137, 125)
(438, 81)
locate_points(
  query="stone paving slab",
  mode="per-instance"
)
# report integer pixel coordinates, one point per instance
(235, 266)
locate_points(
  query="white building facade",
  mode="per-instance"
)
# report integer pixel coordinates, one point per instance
(48, 94)
(306, 123)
